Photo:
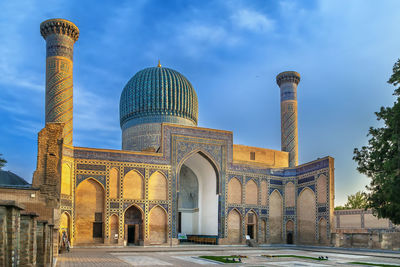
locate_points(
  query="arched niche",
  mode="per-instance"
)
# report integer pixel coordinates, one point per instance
(89, 208)
(234, 227)
(275, 217)
(234, 191)
(158, 186)
(264, 193)
(133, 225)
(306, 216)
(133, 187)
(114, 183)
(289, 194)
(158, 226)
(252, 225)
(66, 179)
(113, 225)
(251, 192)
(322, 188)
(289, 232)
(65, 224)
(322, 231)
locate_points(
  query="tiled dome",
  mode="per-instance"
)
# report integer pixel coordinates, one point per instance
(156, 95)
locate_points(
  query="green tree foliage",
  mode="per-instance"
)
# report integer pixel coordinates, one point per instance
(2, 161)
(356, 201)
(380, 159)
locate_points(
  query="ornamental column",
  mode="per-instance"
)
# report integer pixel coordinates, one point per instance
(60, 36)
(288, 82)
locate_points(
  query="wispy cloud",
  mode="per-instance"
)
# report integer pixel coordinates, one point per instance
(252, 20)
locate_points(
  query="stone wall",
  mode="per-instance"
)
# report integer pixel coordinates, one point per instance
(372, 240)
(361, 221)
(24, 241)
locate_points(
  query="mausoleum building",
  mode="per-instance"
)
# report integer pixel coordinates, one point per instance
(172, 181)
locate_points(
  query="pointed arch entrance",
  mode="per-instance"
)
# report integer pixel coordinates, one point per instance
(198, 196)
(133, 222)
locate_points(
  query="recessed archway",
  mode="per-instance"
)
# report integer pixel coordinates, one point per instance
(133, 222)
(198, 196)
(89, 222)
(65, 224)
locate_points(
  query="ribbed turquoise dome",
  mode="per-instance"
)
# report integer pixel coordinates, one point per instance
(156, 95)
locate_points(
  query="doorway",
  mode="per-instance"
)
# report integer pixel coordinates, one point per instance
(131, 234)
(133, 226)
(250, 231)
(289, 238)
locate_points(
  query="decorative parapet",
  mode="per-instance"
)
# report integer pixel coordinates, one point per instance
(59, 26)
(288, 76)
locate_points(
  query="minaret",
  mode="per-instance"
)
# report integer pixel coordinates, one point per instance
(288, 82)
(60, 36)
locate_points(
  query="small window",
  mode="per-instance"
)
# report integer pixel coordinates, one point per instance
(97, 229)
(252, 155)
(98, 217)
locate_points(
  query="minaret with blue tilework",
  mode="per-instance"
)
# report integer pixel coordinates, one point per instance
(60, 36)
(288, 82)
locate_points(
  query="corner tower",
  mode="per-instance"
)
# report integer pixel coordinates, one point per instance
(288, 82)
(60, 36)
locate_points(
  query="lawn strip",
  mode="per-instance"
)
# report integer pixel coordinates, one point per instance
(373, 264)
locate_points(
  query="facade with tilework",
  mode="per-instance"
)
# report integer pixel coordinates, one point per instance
(173, 181)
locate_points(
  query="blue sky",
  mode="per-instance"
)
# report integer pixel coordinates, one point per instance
(231, 52)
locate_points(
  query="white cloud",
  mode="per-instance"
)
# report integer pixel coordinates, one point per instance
(212, 35)
(252, 20)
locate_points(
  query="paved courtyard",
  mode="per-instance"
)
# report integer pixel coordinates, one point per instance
(188, 256)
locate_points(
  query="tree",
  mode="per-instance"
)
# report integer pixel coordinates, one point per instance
(356, 201)
(2, 161)
(380, 159)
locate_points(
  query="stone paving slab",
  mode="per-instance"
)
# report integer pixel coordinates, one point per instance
(185, 256)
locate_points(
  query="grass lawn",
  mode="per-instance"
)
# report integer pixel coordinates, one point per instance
(224, 259)
(373, 264)
(294, 256)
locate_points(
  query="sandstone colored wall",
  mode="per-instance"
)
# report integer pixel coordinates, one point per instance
(114, 183)
(322, 185)
(234, 227)
(89, 200)
(289, 194)
(306, 217)
(322, 231)
(251, 192)
(234, 191)
(275, 217)
(360, 221)
(158, 225)
(371, 221)
(133, 185)
(31, 199)
(158, 187)
(113, 225)
(66, 176)
(263, 156)
(264, 193)
(263, 232)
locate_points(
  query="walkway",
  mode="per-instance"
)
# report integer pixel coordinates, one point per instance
(188, 256)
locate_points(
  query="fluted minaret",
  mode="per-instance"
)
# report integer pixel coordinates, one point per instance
(288, 82)
(60, 36)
